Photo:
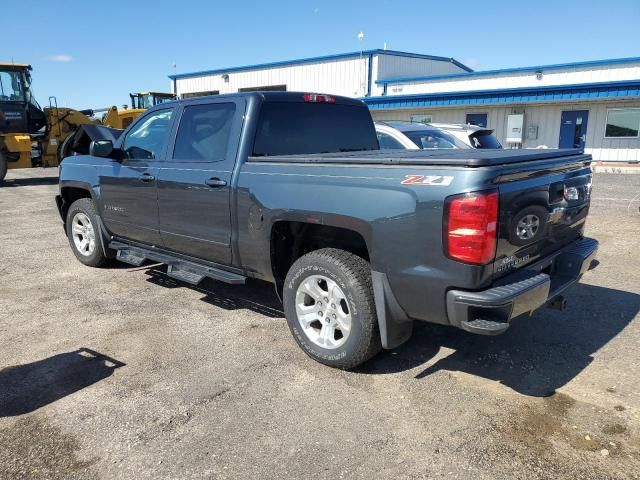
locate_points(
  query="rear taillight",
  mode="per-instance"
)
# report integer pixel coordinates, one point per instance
(471, 227)
(317, 98)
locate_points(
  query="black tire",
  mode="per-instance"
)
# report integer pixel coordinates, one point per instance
(353, 275)
(536, 211)
(97, 257)
(3, 167)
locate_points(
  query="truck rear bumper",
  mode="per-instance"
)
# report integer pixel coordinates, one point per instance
(489, 311)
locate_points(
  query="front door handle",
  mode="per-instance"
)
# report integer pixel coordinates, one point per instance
(147, 177)
(215, 182)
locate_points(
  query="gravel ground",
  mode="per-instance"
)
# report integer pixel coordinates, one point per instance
(122, 373)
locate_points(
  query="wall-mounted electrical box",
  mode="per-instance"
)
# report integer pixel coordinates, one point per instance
(515, 124)
(532, 132)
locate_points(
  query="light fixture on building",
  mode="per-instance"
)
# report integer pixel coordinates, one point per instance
(225, 77)
(538, 74)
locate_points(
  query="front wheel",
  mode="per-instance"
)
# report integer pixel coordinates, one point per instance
(84, 233)
(330, 309)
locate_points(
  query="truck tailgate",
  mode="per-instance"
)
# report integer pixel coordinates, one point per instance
(540, 211)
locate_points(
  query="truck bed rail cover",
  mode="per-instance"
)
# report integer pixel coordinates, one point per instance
(464, 158)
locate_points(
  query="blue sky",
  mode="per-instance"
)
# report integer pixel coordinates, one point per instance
(92, 54)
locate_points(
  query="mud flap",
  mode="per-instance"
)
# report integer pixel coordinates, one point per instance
(395, 326)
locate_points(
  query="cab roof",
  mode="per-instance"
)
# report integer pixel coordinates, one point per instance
(152, 93)
(278, 96)
(14, 66)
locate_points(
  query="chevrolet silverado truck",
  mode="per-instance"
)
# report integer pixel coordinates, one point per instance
(360, 243)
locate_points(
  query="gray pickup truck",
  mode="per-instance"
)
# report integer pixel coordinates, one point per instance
(292, 188)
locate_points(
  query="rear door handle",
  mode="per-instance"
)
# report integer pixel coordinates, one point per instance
(147, 177)
(215, 182)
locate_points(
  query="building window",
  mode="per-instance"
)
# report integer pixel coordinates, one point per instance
(478, 119)
(622, 122)
(201, 94)
(424, 118)
(270, 88)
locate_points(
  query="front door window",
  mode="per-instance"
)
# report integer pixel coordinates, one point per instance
(146, 140)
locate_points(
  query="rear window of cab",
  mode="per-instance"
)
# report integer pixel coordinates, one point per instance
(299, 128)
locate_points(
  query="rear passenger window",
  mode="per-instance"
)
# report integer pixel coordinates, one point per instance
(203, 134)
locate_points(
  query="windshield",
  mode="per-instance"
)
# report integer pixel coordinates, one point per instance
(427, 139)
(149, 100)
(162, 99)
(11, 87)
(144, 101)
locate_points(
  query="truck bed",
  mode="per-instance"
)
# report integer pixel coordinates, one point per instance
(458, 158)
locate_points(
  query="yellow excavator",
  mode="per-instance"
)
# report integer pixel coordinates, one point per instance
(32, 136)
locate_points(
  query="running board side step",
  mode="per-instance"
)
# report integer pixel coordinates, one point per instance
(183, 270)
(130, 257)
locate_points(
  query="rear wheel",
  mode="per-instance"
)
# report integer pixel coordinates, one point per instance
(3, 167)
(329, 305)
(84, 233)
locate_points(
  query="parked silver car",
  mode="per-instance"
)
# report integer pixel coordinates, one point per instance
(414, 136)
(399, 134)
(473, 135)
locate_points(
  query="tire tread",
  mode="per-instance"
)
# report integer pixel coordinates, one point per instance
(99, 259)
(358, 270)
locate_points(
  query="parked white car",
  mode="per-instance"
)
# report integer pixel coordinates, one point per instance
(472, 135)
(414, 136)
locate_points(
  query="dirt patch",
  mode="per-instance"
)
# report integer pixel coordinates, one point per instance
(34, 449)
(614, 429)
(537, 423)
(553, 438)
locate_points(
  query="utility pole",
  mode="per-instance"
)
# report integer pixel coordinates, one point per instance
(363, 73)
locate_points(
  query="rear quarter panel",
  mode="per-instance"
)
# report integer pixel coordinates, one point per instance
(401, 224)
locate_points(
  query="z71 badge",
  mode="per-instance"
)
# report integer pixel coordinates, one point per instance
(422, 180)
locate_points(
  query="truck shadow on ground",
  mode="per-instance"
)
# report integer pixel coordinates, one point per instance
(535, 356)
(29, 182)
(25, 388)
(257, 296)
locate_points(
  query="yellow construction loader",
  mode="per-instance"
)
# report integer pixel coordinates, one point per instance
(32, 136)
(63, 122)
(20, 117)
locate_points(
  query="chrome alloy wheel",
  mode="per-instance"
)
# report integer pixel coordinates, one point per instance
(323, 312)
(84, 235)
(527, 227)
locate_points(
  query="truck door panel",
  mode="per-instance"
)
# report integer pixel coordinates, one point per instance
(194, 184)
(128, 187)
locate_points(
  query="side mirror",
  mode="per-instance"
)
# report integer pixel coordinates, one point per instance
(101, 148)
